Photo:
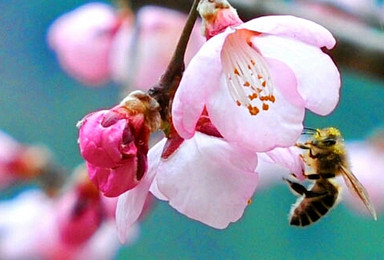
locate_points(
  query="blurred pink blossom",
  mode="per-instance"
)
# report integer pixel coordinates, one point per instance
(140, 55)
(95, 43)
(206, 179)
(115, 143)
(32, 225)
(9, 150)
(255, 80)
(21, 162)
(82, 40)
(80, 212)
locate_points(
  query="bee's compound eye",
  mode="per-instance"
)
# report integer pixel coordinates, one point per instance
(329, 142)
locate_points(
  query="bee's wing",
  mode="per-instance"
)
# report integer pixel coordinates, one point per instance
(354, 184)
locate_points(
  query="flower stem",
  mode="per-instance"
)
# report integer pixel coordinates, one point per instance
(164, 91)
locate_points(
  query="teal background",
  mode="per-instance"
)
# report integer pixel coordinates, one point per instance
(41, 104)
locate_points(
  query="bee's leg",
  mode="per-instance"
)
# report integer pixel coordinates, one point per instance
(328, 175)
(301, 190)
(313, 176)
(320, 176)
(307, 147)
(313, 156)
(302, 146)
(296, 187)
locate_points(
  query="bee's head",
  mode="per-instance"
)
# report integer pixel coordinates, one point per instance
(327, 138)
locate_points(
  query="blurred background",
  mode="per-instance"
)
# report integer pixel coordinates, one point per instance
(40, 103)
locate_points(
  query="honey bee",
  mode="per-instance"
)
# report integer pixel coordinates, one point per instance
(326, 156)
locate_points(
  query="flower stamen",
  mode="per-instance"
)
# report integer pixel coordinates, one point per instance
(246, 73)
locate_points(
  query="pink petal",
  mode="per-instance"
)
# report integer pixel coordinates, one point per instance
(146, 56)
(100, 145)
(290, 159)
(114, 181)
(131, 203)
(26, 222)
(76, 225)
(199, 80)
(317, 76)
(292, 27)
(209, 180)
(285, 80)
(104, 244)
(82, 40)
(9, 148)
(281, 125)
(270, 173)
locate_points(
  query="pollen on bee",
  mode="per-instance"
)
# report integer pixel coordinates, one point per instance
(253, 110)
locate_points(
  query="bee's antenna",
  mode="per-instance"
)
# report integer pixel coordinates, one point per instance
(309, 130)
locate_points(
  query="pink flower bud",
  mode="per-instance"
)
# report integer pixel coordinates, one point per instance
(115, 143)
(114, 181)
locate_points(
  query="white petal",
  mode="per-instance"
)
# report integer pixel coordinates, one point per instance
(292, 27)
(199, 80)
(130, 204)
(317, 76)
(208, 180)
(290, 159)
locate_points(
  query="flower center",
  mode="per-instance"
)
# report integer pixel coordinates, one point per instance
(246, 73)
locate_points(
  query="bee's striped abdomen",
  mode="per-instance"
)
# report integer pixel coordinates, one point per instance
(314, 204)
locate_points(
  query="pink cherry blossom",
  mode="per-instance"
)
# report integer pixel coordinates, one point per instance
(255, 80)
(80, 212)
(22, 162)
(82, 40)
(115, 143)
(31, 227)
(75, 225)
(206, 179)
(140, 55)
(96, 43)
